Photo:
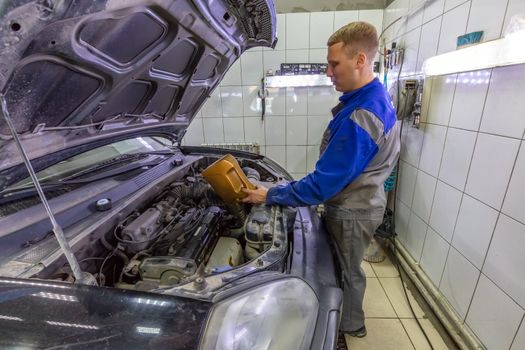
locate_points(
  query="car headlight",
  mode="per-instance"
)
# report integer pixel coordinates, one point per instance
(278, 315)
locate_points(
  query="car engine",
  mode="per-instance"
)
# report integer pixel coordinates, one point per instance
(186, 231)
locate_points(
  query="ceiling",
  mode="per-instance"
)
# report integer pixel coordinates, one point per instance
(287, 6)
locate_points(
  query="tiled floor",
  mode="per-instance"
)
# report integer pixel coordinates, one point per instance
(389, 321)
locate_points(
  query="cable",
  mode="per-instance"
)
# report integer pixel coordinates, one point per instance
(395, 197)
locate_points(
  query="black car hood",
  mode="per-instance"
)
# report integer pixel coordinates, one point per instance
(76, 70)
(36, 314)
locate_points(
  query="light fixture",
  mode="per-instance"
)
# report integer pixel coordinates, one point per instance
(506, 51)
(279, 81)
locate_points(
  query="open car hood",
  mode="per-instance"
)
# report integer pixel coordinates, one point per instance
(73, 71)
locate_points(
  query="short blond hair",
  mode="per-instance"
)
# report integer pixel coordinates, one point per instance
(357, 36)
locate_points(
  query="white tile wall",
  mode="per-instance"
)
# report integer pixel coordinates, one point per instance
(507, 82)
(505, 261)
(519, 341)
(475, 129)
(321, 27)
(342, 18)
(476, 222)
(492, 164)
(415, 237)
(233, 129)
(297, 30)
(445, 210)
(434, 255)
(480, 10)
(493, 316)
(423, 195)
(471, 89)
(432, 150)
(296, 131)
(458, 281)
(513, 204)
(457, 155)
(453, 25)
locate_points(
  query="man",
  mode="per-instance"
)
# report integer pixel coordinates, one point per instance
(359, 150)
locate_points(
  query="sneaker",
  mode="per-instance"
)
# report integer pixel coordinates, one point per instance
(358, 333)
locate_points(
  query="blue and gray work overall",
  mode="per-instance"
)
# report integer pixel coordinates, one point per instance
(360, 148)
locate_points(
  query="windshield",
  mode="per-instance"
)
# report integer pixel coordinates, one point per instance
(95, 156)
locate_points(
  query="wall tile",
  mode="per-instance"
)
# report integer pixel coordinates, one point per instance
(213, 130)
(297, 56)
(252, 106)
(317, 55)
(233, 75)
(321, 27)
(407, 182)
(480, 10)
(429, 41)
(458, 282)
(297, 24)
(233, 129)
(469, 99)
(491, 168)
(276, 101)
(412, 144)
(505, 260)
(231, 101)
(410, 41)
(432, 151)
(195, 134)
(393, 12)
(416, 19)
(454, 24)
(514, 7)
(433, 10)
(316, 128)
(423, 195)
(457, 154)
(434, 255)
(513, 204)
(296, 131)
(275, 129)
(415, 238)
(474, 229)
(277, 154)
(311, 157)
(441, 100)
(519, 341)
(253, 130)
(445, 210)
(450, 4)
(342, 18)
(296, 101)
(296, 159)
(252, 67)
(321, 100)
(374, 17)
(503, 114)
(273, 59)
(213, 106)
(493, 315)
(402, 218)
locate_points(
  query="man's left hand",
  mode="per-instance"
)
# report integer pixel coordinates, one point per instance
(255, 196)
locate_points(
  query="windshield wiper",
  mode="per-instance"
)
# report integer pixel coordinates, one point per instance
(18, 193)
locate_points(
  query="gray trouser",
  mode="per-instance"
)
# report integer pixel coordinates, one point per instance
(351, 231)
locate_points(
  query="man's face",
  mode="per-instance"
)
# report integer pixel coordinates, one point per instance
(343, 70)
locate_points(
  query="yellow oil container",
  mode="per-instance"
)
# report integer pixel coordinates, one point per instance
(227, 179)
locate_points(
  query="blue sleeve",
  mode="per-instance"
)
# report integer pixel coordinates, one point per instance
(347, 154)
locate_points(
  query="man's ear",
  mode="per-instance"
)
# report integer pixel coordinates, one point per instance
(361, 59)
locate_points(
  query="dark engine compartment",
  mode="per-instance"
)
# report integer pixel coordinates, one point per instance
(186, 231)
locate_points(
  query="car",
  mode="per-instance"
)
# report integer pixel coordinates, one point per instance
(111, 235)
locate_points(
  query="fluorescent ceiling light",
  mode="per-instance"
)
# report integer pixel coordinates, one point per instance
(298, 80)
(506, 51)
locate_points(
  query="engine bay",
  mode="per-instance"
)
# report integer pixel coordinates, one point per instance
(186, 233)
